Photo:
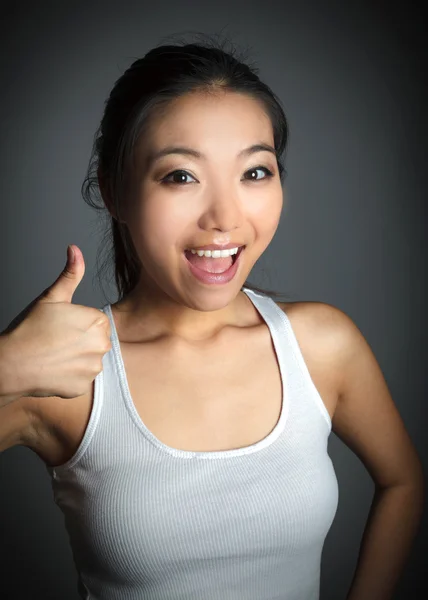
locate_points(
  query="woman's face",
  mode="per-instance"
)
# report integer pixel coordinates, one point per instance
(222, 197)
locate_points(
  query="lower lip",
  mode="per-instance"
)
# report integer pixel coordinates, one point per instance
(216, 278)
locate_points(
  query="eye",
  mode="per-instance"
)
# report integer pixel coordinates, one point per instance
(183, 174)
(260, 168)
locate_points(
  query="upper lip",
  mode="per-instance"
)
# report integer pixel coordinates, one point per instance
(216, 247)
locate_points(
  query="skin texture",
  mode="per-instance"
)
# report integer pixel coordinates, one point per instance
(217, 203)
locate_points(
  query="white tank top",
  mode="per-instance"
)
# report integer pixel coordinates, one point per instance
(150, 522)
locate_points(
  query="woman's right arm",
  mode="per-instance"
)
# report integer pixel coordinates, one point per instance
(9, 391)
(52, 348)
(16, 423)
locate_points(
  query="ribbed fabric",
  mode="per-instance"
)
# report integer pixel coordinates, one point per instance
(150, 522)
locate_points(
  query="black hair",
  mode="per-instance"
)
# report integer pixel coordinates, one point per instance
(165, 73)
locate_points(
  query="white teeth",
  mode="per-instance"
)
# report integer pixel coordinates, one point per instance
(215, 253)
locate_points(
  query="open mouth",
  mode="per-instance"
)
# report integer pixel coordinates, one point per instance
(214, 270)
(235, 256)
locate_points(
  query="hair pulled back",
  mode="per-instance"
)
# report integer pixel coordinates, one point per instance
(145, 89)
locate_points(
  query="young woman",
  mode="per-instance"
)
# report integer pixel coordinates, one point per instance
(195, 464)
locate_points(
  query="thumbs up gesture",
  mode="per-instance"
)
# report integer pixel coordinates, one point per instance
(54, 347)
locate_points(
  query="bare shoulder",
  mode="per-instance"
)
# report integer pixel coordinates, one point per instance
(323, 331)
(366, 418)
(325, 317)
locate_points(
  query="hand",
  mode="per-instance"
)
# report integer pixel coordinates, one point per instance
(54, 347)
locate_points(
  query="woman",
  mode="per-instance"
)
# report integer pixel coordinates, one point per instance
(195, 464)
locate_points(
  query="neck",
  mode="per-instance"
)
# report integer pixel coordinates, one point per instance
(153, 313)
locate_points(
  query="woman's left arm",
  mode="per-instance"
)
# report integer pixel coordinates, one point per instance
(368, 422)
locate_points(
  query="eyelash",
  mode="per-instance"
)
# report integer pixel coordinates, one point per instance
(267, 171)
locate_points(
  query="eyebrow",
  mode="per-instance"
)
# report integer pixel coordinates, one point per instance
(153, 157)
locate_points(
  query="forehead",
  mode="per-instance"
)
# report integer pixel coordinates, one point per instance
(207, 122)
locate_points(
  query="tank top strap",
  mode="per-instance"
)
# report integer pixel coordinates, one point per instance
(288, 347)
(281, 332)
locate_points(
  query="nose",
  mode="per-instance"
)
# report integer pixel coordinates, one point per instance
(224, 213)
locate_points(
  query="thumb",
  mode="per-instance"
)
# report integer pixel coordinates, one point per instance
(65, 285)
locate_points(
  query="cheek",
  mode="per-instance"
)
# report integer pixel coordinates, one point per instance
(158, 228)
(266, 214)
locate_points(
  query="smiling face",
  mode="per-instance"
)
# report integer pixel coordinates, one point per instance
(223, 196)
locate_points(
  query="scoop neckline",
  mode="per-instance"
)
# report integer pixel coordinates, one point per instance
(215, 454)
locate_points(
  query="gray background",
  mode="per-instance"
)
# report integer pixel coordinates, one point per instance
(351, 78)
